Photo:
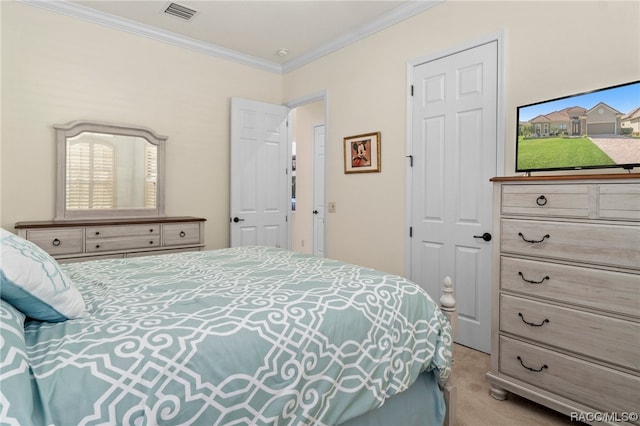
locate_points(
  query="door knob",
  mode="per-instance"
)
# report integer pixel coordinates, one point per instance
(237, 219)
(315, 212)
(486, 236)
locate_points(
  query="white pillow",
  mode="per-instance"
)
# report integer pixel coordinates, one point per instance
(32, 281)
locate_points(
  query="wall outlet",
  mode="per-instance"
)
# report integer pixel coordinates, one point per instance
(332, 206)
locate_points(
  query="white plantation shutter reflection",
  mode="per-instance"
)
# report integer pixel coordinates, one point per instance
(151, 175)
(78, 176)
(102, 179)
(90, 176)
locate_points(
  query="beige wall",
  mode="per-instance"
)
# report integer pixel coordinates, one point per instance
(56, 69)
(547, 53)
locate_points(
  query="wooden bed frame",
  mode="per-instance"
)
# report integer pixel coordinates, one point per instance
(448, 307)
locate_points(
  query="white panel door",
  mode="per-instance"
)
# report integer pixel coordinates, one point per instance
(454, 156)
(318, 189)
(259, 174)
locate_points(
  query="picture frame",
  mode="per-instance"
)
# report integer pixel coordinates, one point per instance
(362, 153)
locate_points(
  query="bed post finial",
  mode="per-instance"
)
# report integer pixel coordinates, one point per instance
(448, 303)
(448, 307)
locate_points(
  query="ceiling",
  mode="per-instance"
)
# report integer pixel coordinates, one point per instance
(250, 31)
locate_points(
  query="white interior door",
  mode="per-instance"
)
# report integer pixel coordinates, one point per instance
(454, 149)
(259, 174)
(318, 189)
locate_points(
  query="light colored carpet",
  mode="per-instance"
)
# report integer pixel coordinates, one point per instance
(477, 408)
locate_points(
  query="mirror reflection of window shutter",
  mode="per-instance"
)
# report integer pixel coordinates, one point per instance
(78, 175)
(90, 176)
(151, 175)
(103, 177)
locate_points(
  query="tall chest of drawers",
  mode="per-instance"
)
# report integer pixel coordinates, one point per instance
(77, 240)
(566, 294)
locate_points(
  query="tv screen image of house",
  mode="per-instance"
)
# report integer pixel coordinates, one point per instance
(597, 129)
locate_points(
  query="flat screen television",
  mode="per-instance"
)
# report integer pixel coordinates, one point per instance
(590, 130)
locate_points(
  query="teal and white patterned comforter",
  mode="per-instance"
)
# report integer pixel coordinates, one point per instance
(250, 335)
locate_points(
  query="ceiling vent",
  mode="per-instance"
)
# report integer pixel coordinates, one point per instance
(180, 11)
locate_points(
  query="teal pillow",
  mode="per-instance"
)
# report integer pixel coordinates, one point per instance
(32, 281)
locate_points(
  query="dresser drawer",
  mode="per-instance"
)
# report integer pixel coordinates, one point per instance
(546, 200)
(180, 233)
(116, 244)
(590, 384)
(576, 331)
(99, 232)
(615, 245)
(87, 239)
(594, 288)
(58, 241)
(619, 201)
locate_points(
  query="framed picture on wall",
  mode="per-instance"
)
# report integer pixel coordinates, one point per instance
(362, 153)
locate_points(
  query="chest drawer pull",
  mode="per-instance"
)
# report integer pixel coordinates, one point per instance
(541, 201)
(531, 281)
(533, 241)
(538, 370)
(532, 324)
(182, 234)
(56, 242)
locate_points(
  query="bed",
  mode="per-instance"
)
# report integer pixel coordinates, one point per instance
(248, 335)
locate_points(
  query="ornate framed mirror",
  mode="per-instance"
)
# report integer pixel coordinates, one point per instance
(109, 171)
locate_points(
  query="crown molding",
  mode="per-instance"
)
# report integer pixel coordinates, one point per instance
(405, 11)
(399, 14)
(78, 11)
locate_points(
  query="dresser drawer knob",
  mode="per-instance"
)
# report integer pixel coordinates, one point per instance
(531, 281)
(532, 324)
(533, 241)
(150, 242)
(151, 230)
(97, 246)
(56, 242)
(182, 234)
(535, 370)
(97, 232)
(541, 201)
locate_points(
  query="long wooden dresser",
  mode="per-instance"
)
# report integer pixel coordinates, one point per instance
(78, 240)
(566, 294)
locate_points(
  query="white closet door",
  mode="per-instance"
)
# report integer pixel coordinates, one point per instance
(259, 174)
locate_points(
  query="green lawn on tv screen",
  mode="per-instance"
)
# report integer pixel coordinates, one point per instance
(553, 153)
